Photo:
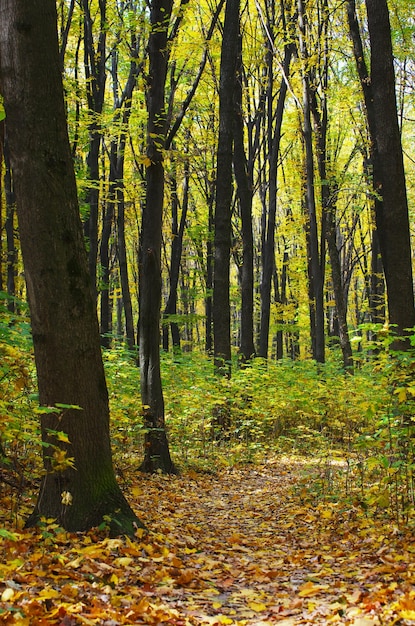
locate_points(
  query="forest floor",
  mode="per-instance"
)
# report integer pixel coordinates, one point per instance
(245, 546)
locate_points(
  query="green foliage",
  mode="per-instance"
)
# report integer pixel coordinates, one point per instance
(357, 432)
(18, 434)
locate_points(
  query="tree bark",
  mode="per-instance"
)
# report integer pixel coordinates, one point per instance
(243, 176)
(95, 74)
(376, 285)
(177, 233)
(268, 248)
(316, 253)
(222, 218)
(63, 313)
(157, 454)
(9, 226)
(392, 218)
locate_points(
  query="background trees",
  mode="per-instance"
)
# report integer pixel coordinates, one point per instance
(304, 106)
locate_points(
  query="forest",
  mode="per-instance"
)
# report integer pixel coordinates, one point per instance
(207, 315)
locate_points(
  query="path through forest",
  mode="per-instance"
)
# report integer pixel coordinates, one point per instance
(245, 546)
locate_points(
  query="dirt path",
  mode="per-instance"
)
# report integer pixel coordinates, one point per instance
(253, 553)
(244, 547)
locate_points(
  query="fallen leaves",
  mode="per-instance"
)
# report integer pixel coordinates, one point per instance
(238, 548)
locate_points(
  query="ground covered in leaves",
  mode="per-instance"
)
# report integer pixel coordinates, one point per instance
(244, 546)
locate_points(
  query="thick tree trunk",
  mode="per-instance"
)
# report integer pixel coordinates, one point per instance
(223, 229)
(376, 286)
(157, 454)
(392, 213)
(63, 314)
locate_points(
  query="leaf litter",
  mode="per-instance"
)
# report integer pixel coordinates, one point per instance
(244, 546)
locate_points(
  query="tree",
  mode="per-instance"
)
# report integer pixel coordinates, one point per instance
(376, 283)
(157, 454)
(392, 218)
(315, 249)
(96, 76)
(79, 488)
(222, 235)
(243, 169)
(273, 123)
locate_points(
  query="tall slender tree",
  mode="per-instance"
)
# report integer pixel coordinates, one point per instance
(224, 190)
(95, 50)
(157, 453)
(315, 246)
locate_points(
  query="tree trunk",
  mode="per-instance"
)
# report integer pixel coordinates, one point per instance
(95, 74)
(243, 176)
(157, 454)
(376, 287)
(315, 252)
(9, 226)
(329, 194)
(268, 236)
(392, 215)
(105, 252)
(63, 313)
(222, 237)
(177, 233)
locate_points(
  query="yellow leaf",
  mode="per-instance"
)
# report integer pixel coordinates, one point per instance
(48, 593)
(401, 393)
(223, 619)
(7, 595)
(407, 614)
(310, 589)
(123, 561)
(257, 606)
(61, 436)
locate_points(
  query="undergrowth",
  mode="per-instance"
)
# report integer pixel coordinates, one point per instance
(357, 431)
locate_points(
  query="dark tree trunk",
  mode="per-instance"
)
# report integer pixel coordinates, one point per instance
(122, 258)
(376, 287)
(1, 194)
(63, 313)
(392, 219)
(315, 252)
(157, 454)
(9, 227)
(268, 247)
(243, 176)
(95, 73)
(222, 239)
(122, 108)
(337, 278)
(177, 233)
(329, 191)
(104, 250)
(209, 276)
